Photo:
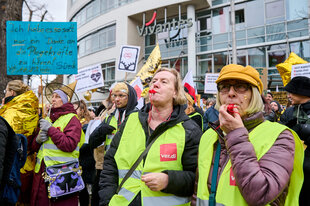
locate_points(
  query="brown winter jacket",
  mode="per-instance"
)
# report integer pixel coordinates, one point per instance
(260, 182)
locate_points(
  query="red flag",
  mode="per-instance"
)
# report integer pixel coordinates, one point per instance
(188, 83)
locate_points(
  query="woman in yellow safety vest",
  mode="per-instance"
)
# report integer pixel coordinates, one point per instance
(243, 159)
(165, 175)
(59, 141)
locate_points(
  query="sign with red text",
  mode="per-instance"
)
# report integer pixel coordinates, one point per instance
(89, 78)
(129, 58)
(300, 70)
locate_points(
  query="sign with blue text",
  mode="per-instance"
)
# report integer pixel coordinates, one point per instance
(41, 47)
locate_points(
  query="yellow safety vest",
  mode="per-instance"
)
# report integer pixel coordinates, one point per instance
(110, 120)
(49, 151)
(165, 154)
(262, 139)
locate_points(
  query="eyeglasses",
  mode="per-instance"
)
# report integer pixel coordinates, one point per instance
(238, 87)
(120, 96)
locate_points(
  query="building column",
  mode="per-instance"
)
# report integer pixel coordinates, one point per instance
(191, 42)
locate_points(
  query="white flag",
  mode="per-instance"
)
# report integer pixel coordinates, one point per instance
(137, 85)
(188, 83)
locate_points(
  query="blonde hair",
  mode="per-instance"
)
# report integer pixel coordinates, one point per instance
(18, 86)
(84, 111)
(256, 103)
(180, 94)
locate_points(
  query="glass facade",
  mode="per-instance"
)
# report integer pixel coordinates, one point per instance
(108, 72)
(99, 40)
(96, 8)
(266, 30)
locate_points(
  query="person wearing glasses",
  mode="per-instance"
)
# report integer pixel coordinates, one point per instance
(244, 159)
(124, 99)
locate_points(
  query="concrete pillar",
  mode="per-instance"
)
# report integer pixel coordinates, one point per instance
(191, 42)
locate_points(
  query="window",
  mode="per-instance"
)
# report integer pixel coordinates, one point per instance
(100, 40)
(239, 16)
(108, 71)
(275, 9)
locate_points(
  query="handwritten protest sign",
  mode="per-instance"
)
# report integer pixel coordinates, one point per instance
(89, 78)
(129, 59)
(210, 85)
(41, 48)
(300, 70)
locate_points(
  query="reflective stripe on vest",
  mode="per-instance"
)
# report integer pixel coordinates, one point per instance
(49, 151)
(165, 154)
(262, 139)
(200, 202)
(110, 120)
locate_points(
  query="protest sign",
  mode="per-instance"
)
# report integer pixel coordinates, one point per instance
(300, 70)
(89, 78)
(263, 75)
(210, 85)
(41, 47)
(129, 59)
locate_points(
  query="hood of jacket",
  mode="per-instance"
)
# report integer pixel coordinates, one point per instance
(59, 111)
(21, 112)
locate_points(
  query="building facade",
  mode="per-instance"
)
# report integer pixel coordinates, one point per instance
(192, 34)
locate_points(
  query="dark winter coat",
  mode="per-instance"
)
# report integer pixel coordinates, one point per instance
(211, 115)
(181, 183)
(98, 136)
(66, 141)
(8, 147)
(301, 125)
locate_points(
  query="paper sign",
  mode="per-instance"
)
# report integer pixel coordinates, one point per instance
(263, 75)
(300, 70)
(41, 47)
(89, 78)
(129, 59)
(210, 85)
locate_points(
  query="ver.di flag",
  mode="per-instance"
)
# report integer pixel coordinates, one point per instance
(137, 85)
(188, 83)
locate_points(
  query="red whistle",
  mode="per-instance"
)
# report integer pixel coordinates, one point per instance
(230, 109)
(152, 91)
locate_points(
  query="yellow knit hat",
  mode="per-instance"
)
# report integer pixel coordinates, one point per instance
(247, 74)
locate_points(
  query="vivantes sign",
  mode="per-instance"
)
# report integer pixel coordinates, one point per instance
(146, 29)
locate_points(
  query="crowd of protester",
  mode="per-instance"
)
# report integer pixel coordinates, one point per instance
(239, 147)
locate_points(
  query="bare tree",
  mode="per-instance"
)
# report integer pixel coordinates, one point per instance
(10, 10)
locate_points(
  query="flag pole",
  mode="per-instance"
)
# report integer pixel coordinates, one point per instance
(42, 96)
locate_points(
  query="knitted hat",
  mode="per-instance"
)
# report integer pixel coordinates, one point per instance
(63, 96)
(299, 85)
(247, 74)
(120, 87)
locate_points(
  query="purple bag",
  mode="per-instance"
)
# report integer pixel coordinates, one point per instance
(64, 179)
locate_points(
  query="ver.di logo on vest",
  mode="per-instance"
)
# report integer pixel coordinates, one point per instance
(146, 29)
(168, 152)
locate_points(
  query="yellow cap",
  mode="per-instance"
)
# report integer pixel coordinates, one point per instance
(247, 74)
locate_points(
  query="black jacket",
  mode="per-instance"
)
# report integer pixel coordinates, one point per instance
(8, 147)
(98, 136)
(181, 183)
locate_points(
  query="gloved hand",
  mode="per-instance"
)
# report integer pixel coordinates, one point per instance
(45, 125)
(42, 137)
